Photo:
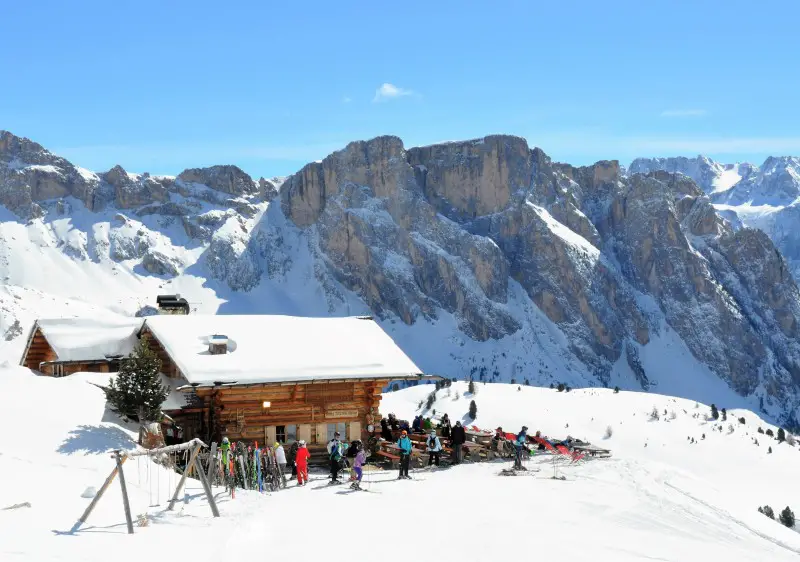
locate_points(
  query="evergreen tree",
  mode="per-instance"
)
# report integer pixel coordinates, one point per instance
(787, 517)
(471, 387)
(616, 390)
(473, 410)
(561, 387)
(760, 430)
(769, 432)
(552, 386)
(714, 412)
(724, 414)
(430, 400)
(767, 510)
(137, 392)
(781, 435)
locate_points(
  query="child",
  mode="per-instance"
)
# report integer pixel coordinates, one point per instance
(358, 464)
(302, 464)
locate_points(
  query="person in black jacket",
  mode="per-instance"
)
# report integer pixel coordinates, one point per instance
(445, 427)
(290, 458)
(386, 433)
(457, 437)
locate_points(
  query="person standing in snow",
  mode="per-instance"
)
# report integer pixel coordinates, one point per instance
(358, 464)
(301, 460)
(520, 446)
(404, 443)
(335, 456)
(280, 458)
(290, 458)
(434, 448)
(458, 436)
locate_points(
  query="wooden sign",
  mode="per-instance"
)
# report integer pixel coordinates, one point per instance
(341, 414)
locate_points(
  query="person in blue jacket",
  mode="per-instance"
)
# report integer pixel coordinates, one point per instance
(434, 448)
(405, 454)
(520, 445)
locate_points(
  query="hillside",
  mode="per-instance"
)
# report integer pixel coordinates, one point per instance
(658, 487)
(516, 266)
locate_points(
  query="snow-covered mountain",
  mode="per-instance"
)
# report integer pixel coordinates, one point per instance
(765, 197)
(679, 474)
(481, 258)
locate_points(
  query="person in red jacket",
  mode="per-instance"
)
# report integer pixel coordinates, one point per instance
(302, 464)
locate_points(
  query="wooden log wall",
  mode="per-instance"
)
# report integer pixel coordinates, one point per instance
(39, 351)
(168, 367)
(239, 411)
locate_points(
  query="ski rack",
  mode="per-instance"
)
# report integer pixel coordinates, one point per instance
(120, 457)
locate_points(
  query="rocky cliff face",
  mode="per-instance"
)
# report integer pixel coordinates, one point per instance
(544, 271)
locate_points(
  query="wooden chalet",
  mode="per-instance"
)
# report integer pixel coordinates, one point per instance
(255, 378)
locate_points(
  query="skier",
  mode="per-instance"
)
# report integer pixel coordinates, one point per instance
(280, 458)
(302, 463)
(434, 448)
(335, 455)
(497, 440)
(457, 437)
(358, 464)
(404, 443)
(520, 445)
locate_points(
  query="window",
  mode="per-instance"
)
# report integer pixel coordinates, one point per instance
(291, 434)
(340, 427)
(280, 434)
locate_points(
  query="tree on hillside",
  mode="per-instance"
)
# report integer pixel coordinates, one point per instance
(616, 390)
(430, 400)
(137, 392)
(781, 435)
(473, 410)
(724, 414)
(552, 386)
(769, 432)
(561, 386)
(471, 387)
(714, 412)
(787, 517)
(767, 510)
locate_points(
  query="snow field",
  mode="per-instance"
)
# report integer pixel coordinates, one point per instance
(669, 501)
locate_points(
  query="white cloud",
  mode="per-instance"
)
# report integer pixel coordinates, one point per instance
(390, 91)
(683, 113)
(346, 99)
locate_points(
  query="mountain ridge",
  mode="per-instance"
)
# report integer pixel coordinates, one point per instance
(519, 267)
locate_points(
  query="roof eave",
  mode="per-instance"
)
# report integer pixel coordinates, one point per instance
(191, 386)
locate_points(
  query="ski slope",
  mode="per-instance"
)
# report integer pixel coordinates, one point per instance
(669, 500)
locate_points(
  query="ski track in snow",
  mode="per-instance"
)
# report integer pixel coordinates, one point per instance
(669, 500)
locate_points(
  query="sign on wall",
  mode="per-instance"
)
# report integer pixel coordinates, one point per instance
(341, 414)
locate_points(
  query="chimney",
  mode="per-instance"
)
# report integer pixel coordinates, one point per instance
(218, 344)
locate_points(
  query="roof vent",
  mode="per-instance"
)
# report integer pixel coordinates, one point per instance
(217, 344)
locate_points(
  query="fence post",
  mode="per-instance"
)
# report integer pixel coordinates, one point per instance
(125, 501)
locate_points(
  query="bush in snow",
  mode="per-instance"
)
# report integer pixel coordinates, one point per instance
(770, 450)
(673, 415)
(447, 393)
(724, 414)
(787, 517)
(654, 414)
(471, 387)
(790, 439)
(419, 405)
(142, 520)
(760, 430)
(473, 410)
(616, 390)
(137, 392)
(781, 435)
(513, 381)
(561, 386)
(457, 396)
(769, 432)
(730, 428)
(609, 432)
(552, 386)
(741, 421)
(714, 412)
(567, 388)
(430, 400)
(767, 510)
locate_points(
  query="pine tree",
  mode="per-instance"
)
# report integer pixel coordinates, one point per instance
(137, 392)
(714, 412)
(473, 410)
(781, 435)
(787, 517)
(724, 414)
(769, 432)
(616, 390)
(471, 387)
(561, 387)
(430, 400)
(767, 510)
(552, 386)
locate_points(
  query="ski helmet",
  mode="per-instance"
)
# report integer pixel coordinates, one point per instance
(225, 440)
(302, 443)
(524, 428)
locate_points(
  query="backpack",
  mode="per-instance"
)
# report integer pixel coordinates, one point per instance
(353, 449)
(432, 442)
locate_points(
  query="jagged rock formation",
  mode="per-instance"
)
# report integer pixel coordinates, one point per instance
(488, 232)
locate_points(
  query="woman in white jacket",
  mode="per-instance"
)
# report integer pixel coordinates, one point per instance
(434, 448)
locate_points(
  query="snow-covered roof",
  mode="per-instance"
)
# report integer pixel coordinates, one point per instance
(275, 348)
(90, 339)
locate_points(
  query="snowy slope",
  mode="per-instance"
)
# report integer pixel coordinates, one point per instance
(669, 500)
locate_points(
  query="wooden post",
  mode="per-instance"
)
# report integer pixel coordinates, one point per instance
(182, 481)
(212, 461)
(207, 488)
(125, 502)
(99, 494)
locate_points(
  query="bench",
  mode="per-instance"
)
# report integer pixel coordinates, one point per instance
(393, 459)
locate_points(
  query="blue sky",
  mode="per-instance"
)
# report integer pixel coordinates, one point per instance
(162, 86)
